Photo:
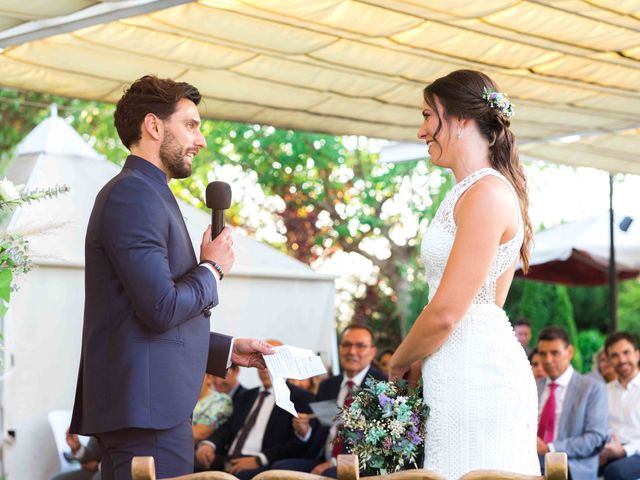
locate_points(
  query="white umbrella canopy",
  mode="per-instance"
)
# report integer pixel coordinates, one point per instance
(578, 253)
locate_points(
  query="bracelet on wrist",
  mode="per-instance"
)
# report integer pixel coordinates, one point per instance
(215, 265)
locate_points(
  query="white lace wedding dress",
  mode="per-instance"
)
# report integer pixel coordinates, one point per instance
(479, 384)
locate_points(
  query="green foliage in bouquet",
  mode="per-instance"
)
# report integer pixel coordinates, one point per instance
(384, 425)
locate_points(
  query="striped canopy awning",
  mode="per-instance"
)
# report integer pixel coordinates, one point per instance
(353, 67)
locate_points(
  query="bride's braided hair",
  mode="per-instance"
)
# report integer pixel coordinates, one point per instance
(461, 95)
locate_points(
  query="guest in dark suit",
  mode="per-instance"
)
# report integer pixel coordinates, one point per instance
(230, 384)
(573, 407)
(258, 433)
(357, 351)
(146, 340)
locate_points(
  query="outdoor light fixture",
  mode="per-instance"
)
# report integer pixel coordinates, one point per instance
(626, 223)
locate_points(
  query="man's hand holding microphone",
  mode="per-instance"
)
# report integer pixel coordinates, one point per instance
(216, 250)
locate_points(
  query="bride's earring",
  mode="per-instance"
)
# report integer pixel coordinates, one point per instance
(459, 134)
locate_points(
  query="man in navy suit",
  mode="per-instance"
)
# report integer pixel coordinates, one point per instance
(146, 340)
(573, 407)
(257, 434)
(357, 351)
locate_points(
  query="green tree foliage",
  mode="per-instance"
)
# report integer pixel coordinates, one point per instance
(589, 342)
(22, 111)
(629, 306)
(590, 307)
(547, 304)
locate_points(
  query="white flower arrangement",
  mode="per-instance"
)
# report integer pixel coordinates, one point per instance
(14, 248)
(384, 425)
(498, 100)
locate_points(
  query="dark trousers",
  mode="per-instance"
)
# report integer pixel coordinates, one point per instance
(622, 469)
(172, 450)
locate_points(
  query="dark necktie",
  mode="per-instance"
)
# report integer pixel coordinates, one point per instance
(249, 423)
(338, 446)
(547, 423)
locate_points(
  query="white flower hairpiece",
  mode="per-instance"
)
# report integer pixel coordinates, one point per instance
(498, 100)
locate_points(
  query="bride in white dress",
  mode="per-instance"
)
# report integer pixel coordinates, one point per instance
(477, 380)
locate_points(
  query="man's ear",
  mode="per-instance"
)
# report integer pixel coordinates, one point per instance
(153, 126)
(570, 349)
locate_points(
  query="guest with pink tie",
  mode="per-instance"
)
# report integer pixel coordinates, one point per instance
(573, 407)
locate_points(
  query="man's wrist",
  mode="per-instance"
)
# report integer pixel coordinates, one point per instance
(215, 265)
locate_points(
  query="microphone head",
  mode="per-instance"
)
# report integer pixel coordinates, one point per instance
(218, 195)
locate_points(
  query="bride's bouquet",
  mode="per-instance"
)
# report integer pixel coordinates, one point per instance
(384, 425)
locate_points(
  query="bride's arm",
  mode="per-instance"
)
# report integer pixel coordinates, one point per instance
(485, 213)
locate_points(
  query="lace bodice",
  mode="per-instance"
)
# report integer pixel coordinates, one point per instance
(439, 237)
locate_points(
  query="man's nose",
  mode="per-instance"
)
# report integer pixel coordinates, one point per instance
(200, 142)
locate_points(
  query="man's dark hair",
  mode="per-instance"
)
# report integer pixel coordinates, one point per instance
(149, 94)
(553, 332)
(615, 337)
(355, 326)
(533, 353)
(521, 322)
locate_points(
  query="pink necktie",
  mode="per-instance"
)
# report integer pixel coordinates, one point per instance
(547, 424)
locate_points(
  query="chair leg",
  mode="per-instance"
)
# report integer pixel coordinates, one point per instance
(556, 466)
(143, 468)
(348, 467)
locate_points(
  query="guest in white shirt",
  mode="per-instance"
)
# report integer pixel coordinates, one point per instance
(573, 407)
(621, 455)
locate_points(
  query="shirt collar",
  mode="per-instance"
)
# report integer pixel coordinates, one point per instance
(358, 378)
(564, 379)
(634, 383)
(145, 167)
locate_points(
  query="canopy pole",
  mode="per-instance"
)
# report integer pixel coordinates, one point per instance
(613, 281)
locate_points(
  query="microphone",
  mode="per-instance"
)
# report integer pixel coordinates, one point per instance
(218, 197)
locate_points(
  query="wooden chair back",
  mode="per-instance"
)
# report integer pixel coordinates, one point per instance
(143, 468)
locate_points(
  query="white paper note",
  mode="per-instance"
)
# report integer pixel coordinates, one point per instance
(291, 362)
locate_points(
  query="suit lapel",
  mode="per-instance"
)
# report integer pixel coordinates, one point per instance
(568, 405)
(335, 388)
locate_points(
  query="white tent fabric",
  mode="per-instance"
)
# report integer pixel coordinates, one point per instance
(352, 66)
(266, 295)
(592, 237)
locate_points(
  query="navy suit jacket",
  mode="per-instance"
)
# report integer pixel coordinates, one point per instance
(329, 390)
(582, 429)
(279, 440)
(146, 340)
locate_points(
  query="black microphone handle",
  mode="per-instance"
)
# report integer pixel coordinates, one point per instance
(217, 222)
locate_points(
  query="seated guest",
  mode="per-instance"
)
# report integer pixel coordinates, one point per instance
(621, 455)
(357, 351)
(257, 434)
(522, 329)
(601, 369)
(229, 384)
(88, 456)
(383, 361)
(309, 384)
(573, 407)
(212, 410)
(536, 365)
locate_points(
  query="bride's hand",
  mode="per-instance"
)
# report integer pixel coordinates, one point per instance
(414, 373)
(395, 371)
